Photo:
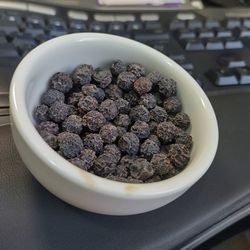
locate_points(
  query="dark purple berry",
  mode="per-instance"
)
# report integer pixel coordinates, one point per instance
(58, 111)
(87, 103)
(61, 82)
(94, 91)
(82, 74)
(161, 164)
(140, 113)
(49, 138)
(72, 124)
(122, 105)
(88, 157)
(121, 171)
(108, 133)
(167, 87)
(94, 142)
(118, 67)
(121, 131)
(154, 138)
(149, 148)
(129, 143)
(41, 113)
(137, 69)
(49, 127)
(113, 92)
(142, 85)
(184, 138)
(166, 132)
(72, 110)
(104, 165)
(140, 129)
(179, 155)
(181, 120)
(102, 77)
(172, 105)
(93, 120)
(152, 126)
(148, 100)
(51, 96)
(70, 144)
(109, 109)
(122, 120)
(159, 98)
(158, 114)
(74, 98)
(79, 163)
(154, 77)
(141, 169)
(125, 80)
(132, 97)
(113, 150)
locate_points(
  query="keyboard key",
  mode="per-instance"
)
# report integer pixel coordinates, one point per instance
(214, 44)
(134, 26)
(177, 24)
(246, 23)
(221, 33)
(223, 77)
(179, 58)
(8, 27)
(233, 23)
(57, 26)
(116, 27)
(151, 36)
(195, 24)
(2, 39)
(187, 66)
(233, 44)
(24, 43)
(227, 61)
(211, 24)
(244, 32)
(97, 27)
(36, 21)
(77, 26)
(13, 17)
(153, 25)
(205, 33)
(186, 34)
(243, 75)
(8, 50)
(193, 45)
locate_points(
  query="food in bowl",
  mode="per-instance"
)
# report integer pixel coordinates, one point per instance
(121, 123)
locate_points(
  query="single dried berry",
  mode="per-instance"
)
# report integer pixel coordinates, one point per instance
(154, 77)
(167, 87)
(41, 113)
(58, 111)
(158, 114)
(104, 165)
(121, 131)
(74, 98)
(173, 172)
(94, 91)
(181, 120)
(113, 150)
(129, 143)
(102, 77)
(61, 81)
(172, 105)
(88, 157)
(122, 105)
(161, 164)
(149, 148)
(93, 120)
(148, 100)
(141, 169)
(137, 69)
(117, 67)
(154, 138)
(94, 142)
(142, 85)
(79, 163)
(184, 138)
(49, 127)
(87, 104)
(109, 109)
(51, 96)
(140, 113)
(152, 126)
(122, 120)
(179, 155)
(132, 97)
(72, 124)
(125, 80)
(121, 171)
(72, 110)
(70, 144)
(82, 74)
(113, 92)
(140, 129)
(49, 138)
(127, 160)
(108, 133)
(166, 132)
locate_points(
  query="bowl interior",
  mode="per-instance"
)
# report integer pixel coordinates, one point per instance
(65, 53)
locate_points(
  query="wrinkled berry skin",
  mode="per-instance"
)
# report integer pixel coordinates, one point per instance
(154, 138)
(79, 163)
(49, 127)
(93, 120)
(122, 120)
(140, 129)
(94, 91)
(61, 82)
(109, 133)
(166, 132)
(58, 111)
(167, 87)
(82, 74)
(72, 124)
(179, 155)
(113, 150)
(113, 92)
(158, 114)
(184, 138)
(70, 144)
(142, 85)
(109, 109)
(88, 156)
(121, 131)
(51, 96)
(148, 101)
(49, 138)
(125, 80)
(87, 104)
(154, 77)
(172, 105)
(94, 142)
(161, 164)
(41, 113)
(137, 69)
(141, 169)
(102, 77)
(122, 105)
(149, 148)
(74, 98)
(140, 113)
(117, 67)
(132, 97)
(181, 120)
(129, 143)
(152, 126)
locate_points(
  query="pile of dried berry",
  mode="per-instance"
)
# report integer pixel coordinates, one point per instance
(120, 123)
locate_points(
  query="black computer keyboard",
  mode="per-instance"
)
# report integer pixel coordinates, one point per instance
(213, 48)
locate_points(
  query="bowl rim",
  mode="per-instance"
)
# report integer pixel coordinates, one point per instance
(82, 178)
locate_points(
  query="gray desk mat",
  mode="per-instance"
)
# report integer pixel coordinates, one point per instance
(32, 218)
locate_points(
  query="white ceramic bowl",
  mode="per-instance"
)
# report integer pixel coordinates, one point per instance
(78, 187)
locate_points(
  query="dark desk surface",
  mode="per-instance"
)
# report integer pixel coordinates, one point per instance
(32, 218)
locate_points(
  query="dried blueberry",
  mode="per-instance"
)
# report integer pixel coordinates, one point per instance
(74, 98)
(108, 133)
(122, 105)
(167, 87)
(41, 113)
(129, 143)
(158, 114)
(109, 109)
(49, 127)
(49, 138)
(140, 129)
(166, 131)
(117, 67)
(102, 77)
(154, 138)
(61, 82)
(51, 96)
(132, 97)
(184, 138)
(149, 148)
(121, 131)
(161, 164)
(152, 126)
(113, 92)
(122, 120)
(72, 124)
(181, 120)
(148, 100)
(58, 111)
(172, 105)
(179, 155)
(88, 157)
(142, 85)
(125, 80)
(82, 74)
(141, 169)
(140, 113)
(79, 163)
(104, 165)
(93, 120)
(137, 69)
(94, 142)
(94, 91)
(113, 150)
(87, 103)
(154, 77)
